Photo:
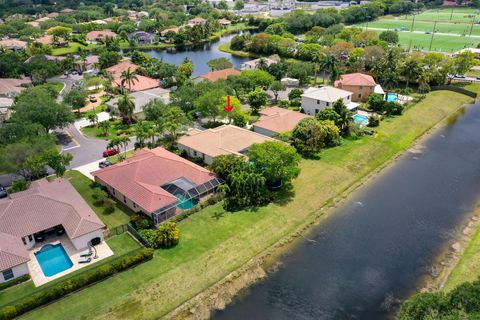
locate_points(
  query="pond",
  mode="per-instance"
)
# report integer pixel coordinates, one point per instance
(199, 54)
(380, 244)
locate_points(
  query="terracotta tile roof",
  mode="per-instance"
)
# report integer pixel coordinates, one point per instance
(220, 74)
(226, 139)
(116, 70)
(46, 40)
(356, 79)
(277, 119)
(12, 43)
(141, 176)
(165, 31)
(12, 251)
(13, 85)
(198, 19)
(224, 21)
(44, 205)
(143, 83)
(93, 35)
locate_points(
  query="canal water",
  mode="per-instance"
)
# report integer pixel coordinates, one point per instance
(199, 54)
(381, 242)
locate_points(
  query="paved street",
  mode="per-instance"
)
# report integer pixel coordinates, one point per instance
(84, 150)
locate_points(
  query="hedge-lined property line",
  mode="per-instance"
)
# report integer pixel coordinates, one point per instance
(75, 283)
(14, 282)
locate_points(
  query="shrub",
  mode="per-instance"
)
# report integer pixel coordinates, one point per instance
(373, 121)
(166, 236)
(14, 282)
(140, 221)
(393, 109)
(109, 205)
(99, 196)
(61, 289)
(19, 185)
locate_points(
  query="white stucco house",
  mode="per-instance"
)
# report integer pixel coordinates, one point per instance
(316, 99)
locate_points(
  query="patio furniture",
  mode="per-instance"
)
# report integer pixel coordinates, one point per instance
(84, 260)
(86, 253)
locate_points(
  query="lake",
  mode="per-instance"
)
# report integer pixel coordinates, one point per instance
(199, 54)
(380, 244)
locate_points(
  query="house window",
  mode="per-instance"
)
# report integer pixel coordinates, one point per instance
(328, 104)
(8, 274)
(24, 241)
(316, 111)
(113, 191)
(318, 101)
(134, 205)
(124, 199)
(30, 238)
(360, 87)
(194, 153)
(359, 95)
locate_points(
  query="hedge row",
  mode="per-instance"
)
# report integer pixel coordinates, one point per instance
(59, 290)
(14, 282)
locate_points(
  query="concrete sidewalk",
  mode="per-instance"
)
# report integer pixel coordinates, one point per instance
(102, 116)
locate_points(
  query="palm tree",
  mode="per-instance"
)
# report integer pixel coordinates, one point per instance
(93, 118)
(126, 106)
(104, 126)
(262, 64)
(344, 115)
(423, 79)
(82, 54)
(317, 58)
(329, 63)
(173, 120)
(128, 77)
(123, 142)
(411, 70)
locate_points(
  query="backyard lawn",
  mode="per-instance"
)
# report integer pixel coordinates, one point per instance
(72, 48)
(82, 185)
(214, 242)
(119, 244)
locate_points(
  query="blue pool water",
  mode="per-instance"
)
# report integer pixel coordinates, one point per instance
(53, 259)
(185, 202)
(392, 97)
(358, 118)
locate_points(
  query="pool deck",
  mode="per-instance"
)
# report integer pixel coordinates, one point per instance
(103, 251)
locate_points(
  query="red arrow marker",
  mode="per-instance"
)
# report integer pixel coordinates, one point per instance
(228, 107)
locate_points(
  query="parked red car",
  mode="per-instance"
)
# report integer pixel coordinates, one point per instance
(111, 152)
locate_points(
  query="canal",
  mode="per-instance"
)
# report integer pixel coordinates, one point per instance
(199, 54)
(379, 245)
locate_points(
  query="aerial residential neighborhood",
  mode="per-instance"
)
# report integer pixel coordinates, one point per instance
(230, 159)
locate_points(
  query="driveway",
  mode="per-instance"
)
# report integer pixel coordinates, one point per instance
(86, 169)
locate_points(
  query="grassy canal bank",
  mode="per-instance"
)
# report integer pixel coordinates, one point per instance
(214, 242)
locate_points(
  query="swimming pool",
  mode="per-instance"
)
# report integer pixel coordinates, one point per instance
(53, 259)
(359, 118)
(185, 203)
(392, 97)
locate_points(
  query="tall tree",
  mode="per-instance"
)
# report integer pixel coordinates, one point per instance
(219, 63)
(128, 77)
(126, 106)
(329, 63)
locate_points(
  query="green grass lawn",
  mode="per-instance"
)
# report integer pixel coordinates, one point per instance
(442, 27)
(119, 244)
(115, 127)
(440, 42)
(445, 14)
(72, 48)
(214, 242)
(82, 185)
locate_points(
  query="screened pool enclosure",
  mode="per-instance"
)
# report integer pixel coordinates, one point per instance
(188, 195)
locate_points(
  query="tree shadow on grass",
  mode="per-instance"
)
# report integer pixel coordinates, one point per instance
(283, 196)
(218, 215)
